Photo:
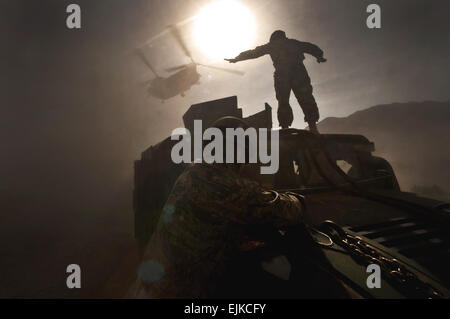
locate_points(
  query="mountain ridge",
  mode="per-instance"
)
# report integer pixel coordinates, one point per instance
(413, 136)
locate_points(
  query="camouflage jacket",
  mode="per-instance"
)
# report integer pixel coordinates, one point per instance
(204, 216)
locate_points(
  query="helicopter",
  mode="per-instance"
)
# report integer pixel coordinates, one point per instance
(183, 76)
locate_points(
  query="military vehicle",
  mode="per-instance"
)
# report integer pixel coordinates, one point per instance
(358, 215)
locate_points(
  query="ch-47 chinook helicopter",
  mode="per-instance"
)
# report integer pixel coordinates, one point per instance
(183, 76)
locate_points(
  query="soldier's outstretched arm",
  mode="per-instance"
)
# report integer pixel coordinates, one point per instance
(257, 52)
(250, 203)
(311, 49)
(277, 209)
(238, 199)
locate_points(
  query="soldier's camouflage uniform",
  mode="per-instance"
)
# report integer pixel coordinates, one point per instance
(290, 74)
(203, 218)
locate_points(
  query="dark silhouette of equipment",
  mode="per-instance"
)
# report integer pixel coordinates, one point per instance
(345, 184)
(183, 76)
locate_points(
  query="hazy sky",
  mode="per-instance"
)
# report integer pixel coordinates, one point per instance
(405, 60)
(74, 116)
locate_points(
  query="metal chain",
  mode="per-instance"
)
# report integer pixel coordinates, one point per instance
(366, 254)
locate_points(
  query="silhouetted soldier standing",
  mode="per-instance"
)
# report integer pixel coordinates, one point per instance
(290, 74)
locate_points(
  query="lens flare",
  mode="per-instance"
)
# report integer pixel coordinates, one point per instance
(223, 29)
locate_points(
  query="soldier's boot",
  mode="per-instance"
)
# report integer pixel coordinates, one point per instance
(285, 116)
(313, 127)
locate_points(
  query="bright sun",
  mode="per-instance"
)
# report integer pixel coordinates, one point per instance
(224, 28)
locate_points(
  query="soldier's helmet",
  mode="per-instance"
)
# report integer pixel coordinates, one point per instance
(230, 122)
(277, 35)
(233, 122)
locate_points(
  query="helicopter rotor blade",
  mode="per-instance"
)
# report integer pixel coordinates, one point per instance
(176, 68)
(237, 72)
(143, 58)
(146, 82)
(166, 31)
(177, 35)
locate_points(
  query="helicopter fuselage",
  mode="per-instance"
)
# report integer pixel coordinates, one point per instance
(175, 84)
